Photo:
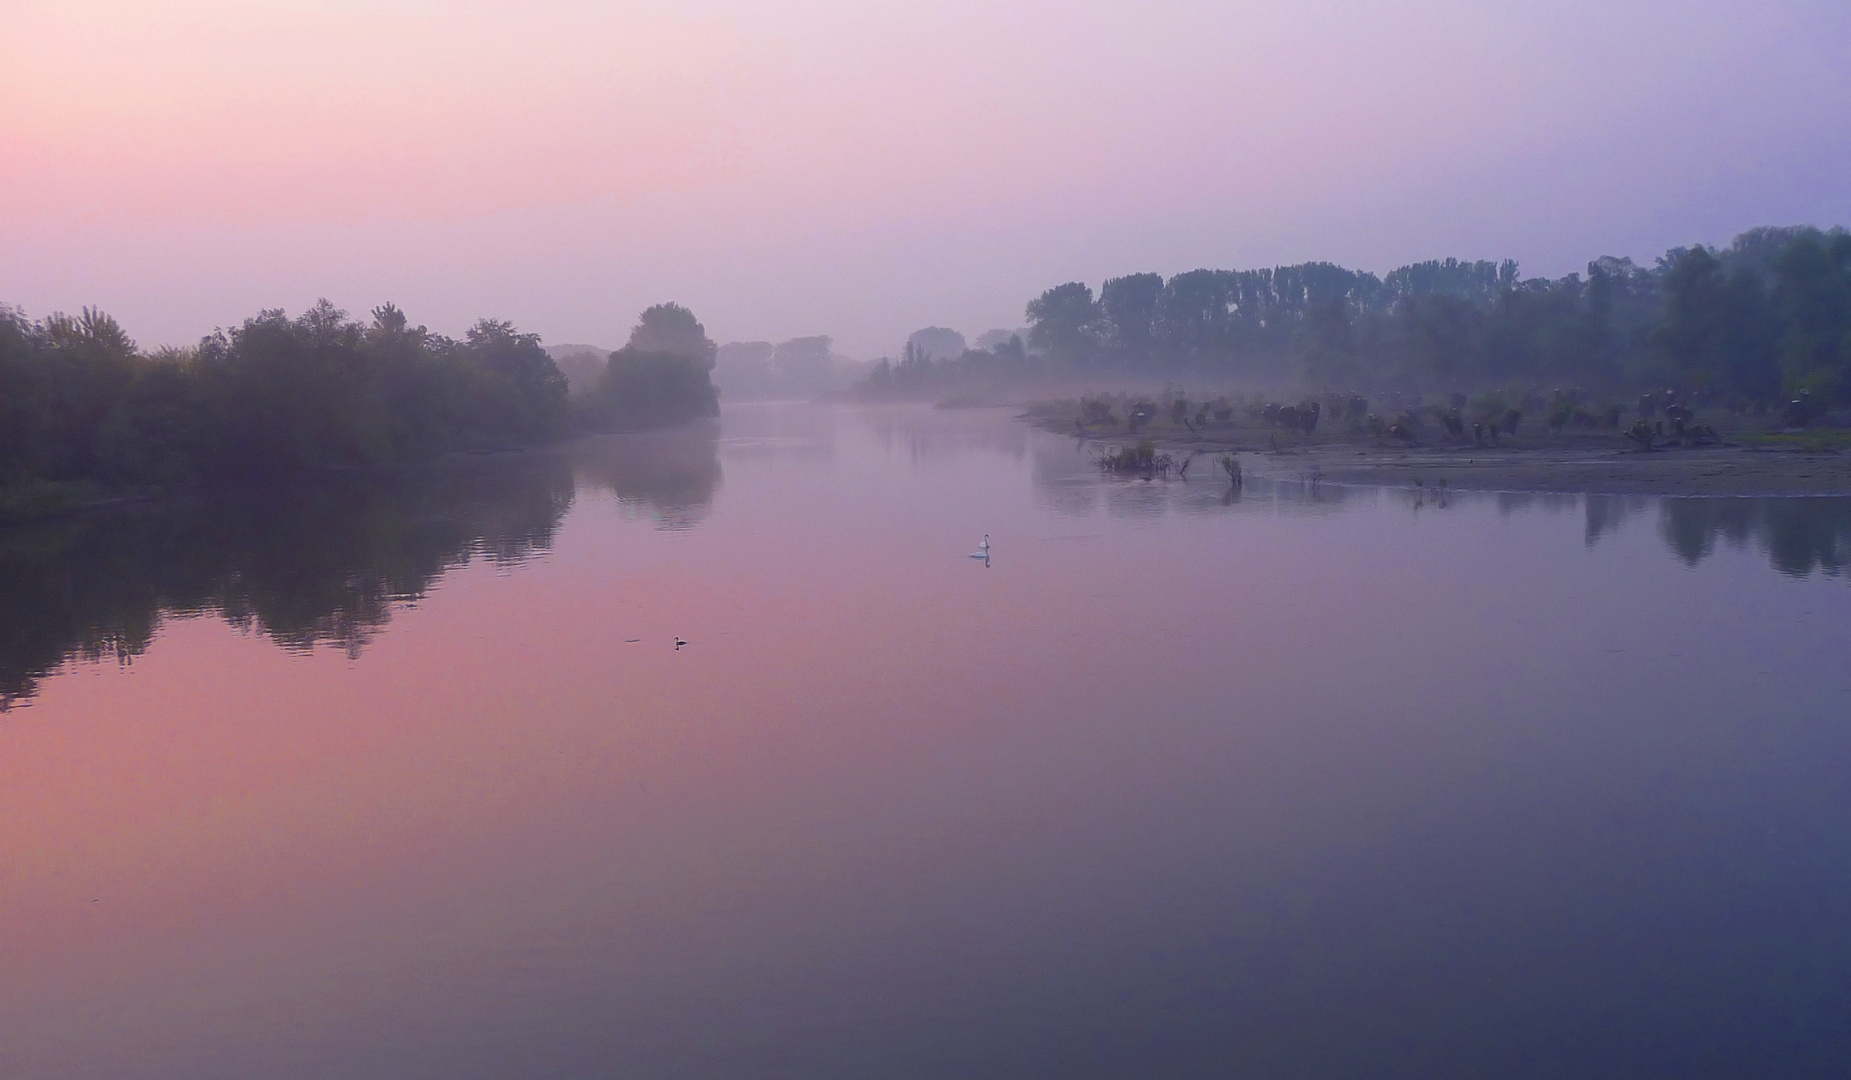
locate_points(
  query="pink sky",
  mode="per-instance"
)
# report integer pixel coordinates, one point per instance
(861, 169)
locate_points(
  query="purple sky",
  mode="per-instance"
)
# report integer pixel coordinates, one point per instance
(863, 170)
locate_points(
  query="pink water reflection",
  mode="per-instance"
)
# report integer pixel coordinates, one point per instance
(1168, 787)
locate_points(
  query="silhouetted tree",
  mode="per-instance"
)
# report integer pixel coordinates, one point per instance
(1812, 301)
(1129, 308)
(937, 342)
(803, 365)
(1717, 331)
(1063, 321)
(661, 377)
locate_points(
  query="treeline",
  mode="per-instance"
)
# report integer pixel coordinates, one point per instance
(922, 368)
(760, 370)
(1761, 320)
(81, 405)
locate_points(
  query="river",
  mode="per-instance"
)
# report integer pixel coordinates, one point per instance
(409, 778)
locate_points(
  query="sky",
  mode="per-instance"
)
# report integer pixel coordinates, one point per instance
(794, 167)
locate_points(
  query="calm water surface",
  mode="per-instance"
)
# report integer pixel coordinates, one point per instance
(408, 779)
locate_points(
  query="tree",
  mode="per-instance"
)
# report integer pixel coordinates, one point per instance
(1062, 321)
(937, 342)
(1330, 343)
(661, 377)
(1478, 282)
(1717, 332)
(1812, 297)
(671, 328)
(990, 339)
(88, 365)
(1010, 353)
(1441, 338)
(1196, 311)
(525, 396)
(742, 370)
(1129, 308)
(803, 365)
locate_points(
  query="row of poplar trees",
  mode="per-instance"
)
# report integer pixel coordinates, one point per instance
(1759, 320)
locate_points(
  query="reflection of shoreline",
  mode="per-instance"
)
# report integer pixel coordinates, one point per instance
(304, 564)
(320, 561)
(1799, 534)
(673, 474)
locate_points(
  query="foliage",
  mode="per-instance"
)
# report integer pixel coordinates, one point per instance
(918, 371)
(1758, 321)
(663, 376)
(84, 411)
(272, 394)
(802, 367)
(1063, 320)
(937, 342)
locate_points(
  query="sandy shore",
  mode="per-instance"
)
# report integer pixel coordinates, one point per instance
(1600, 462)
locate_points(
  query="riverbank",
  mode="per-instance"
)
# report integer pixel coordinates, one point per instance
(1745, 460)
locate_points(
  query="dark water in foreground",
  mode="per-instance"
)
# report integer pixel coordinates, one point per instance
(408, 780)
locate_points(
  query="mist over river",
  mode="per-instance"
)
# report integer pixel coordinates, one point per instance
(408, 777)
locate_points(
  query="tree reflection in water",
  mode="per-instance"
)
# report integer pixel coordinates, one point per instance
(323, 563)
(1798, 535)
(315, 562)
(310, 563)
(670, 475)
(1606, 513)
(304, 564)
